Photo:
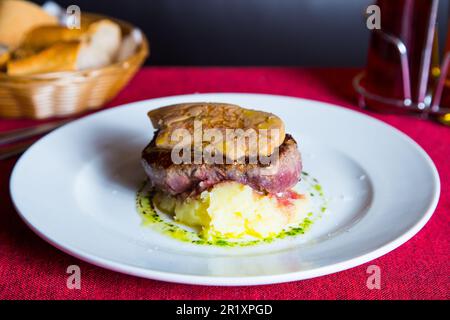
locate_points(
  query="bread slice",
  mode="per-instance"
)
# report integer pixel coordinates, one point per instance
(103, 39)
(96, 47)
(45, 36)
(4, 56)
(61, 56)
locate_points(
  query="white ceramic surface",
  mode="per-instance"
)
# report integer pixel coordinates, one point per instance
(76, 188)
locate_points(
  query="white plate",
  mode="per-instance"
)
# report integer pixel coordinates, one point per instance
(76, 188)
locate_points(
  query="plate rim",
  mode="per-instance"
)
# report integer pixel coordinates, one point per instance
(172, 277)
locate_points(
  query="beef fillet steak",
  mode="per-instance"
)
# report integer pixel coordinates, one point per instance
(191, 179)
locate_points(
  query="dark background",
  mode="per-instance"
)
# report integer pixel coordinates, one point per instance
(249, 32)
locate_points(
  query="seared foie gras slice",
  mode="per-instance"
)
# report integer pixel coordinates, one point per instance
(235, 132)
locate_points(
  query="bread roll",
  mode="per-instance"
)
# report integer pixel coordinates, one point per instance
(18, 17)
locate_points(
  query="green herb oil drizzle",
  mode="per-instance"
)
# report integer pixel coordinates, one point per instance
(151, 217)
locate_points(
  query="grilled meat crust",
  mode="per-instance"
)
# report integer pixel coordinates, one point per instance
(191, 179)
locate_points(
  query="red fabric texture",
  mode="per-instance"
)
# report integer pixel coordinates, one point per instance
(32, 269)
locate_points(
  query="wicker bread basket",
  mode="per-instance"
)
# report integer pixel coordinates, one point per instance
(62, 94)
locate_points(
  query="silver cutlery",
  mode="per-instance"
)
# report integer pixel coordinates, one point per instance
(8, 149)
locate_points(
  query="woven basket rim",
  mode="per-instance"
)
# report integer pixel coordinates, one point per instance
(141, 53)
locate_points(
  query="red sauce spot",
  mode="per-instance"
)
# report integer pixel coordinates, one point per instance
(287, 197)
(292, 195)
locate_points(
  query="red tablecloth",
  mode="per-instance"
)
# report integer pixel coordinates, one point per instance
(32, 269)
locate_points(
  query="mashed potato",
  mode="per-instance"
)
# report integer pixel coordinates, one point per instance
(234, 210)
